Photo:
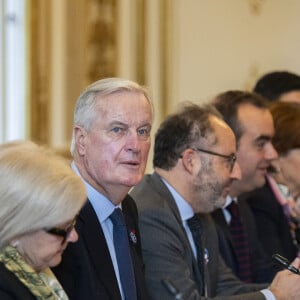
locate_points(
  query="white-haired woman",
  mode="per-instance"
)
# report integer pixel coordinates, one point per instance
(40, 197)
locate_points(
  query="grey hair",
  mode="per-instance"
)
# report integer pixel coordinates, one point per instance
(84, 113)
(188, 127)
(38, 190)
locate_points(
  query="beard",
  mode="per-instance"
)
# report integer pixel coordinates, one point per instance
(208, 189)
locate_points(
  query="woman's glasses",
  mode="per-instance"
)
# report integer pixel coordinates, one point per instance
(64, 233)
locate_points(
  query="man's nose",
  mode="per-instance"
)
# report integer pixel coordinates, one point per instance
(270, 152)
(236, 172)
(132, 141)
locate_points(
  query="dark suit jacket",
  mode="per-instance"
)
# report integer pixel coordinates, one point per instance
(272, 225)
(167, 252)
(86, 271)
(262, 267)
(11, 288)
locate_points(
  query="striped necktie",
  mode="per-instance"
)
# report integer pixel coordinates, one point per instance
(240, 243)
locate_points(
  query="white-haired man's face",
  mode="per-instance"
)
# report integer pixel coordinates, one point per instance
(114, 152)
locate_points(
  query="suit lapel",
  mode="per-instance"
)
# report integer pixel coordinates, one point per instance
(160, 187)
(130, 214)
(166, 195)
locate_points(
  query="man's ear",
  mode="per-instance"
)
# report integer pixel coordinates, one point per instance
(80, 135)
(189, 161)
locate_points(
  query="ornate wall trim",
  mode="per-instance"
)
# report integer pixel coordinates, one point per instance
(101, 42)
(165, 55)
(40, 70)
(141, 41)
(86, 51)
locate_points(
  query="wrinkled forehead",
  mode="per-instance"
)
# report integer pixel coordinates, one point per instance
(122, 98)
(124, 106)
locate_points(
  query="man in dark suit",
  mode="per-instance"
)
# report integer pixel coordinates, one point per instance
(250, 119)
(110, 146)
(194, 163)
(274, 228)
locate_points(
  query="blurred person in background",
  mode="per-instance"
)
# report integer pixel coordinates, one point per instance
(40, 197)
(249, 117)
(276, 212)
(279, 86)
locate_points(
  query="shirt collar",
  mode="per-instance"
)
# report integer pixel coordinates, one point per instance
(228, 201)
(185, 209)
(101, 204)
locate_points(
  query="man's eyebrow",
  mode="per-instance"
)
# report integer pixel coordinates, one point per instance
(146, 124)
(264, 137)
(115, 122)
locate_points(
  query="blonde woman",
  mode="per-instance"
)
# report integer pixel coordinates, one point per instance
(40, 197)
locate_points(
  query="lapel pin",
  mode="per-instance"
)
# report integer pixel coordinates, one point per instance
(132, 236)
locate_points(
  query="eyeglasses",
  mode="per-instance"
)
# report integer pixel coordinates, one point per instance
(64, 233)
(231, 158)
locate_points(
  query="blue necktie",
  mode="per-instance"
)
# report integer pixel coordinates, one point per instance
(195, 226)
(121, 244)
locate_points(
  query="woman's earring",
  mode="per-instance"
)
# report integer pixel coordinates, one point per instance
(14, 243)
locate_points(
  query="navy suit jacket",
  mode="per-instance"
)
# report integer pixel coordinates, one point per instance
(262, 267)
(86, 270)
(272, 225)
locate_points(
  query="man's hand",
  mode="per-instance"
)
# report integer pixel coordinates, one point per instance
(286, 285)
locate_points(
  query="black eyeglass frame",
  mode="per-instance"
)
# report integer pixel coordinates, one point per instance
(231, 158)
(64, 233)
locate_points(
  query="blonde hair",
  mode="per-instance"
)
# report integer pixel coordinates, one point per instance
(38, 190)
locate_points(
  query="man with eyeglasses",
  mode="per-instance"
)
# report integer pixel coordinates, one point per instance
(230, 158)
(250, 119)
(194, 168)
